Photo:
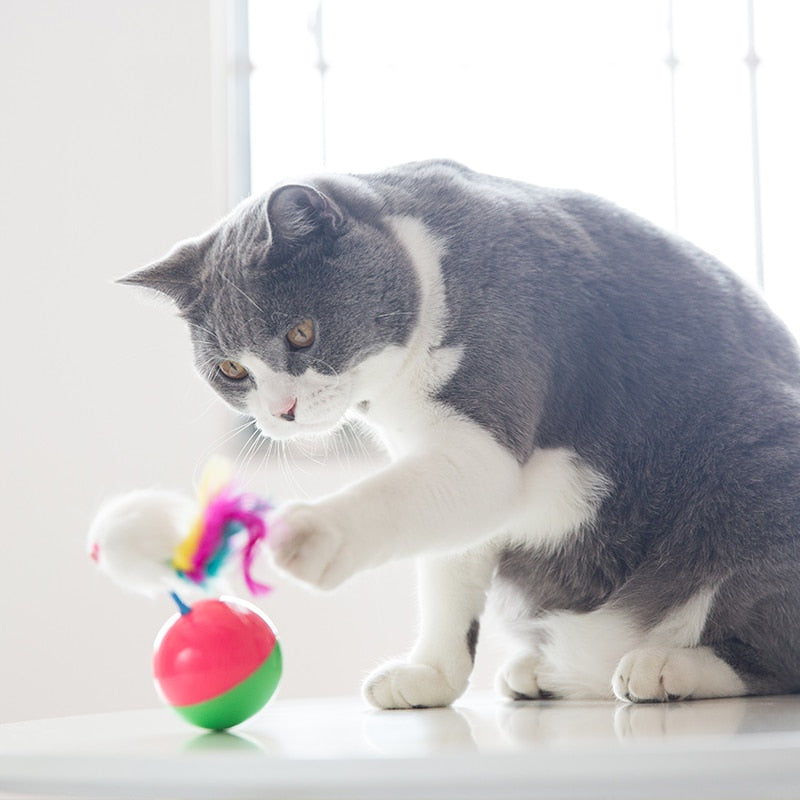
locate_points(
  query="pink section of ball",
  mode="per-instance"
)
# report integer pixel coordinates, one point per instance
(210, 650)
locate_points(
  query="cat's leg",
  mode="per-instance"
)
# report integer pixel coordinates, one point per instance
(655, 674)
(452, 593)
(449, 497)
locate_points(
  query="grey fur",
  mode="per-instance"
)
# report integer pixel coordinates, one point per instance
(583, 326)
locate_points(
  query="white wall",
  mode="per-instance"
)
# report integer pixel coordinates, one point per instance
(111, 151)
(105, 156)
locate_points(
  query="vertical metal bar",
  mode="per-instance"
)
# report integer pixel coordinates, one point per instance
(672, 65)
(240, 69)
(753, 62)
(317, 31)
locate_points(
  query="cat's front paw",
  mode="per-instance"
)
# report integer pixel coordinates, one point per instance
(399, 684)
(309, 547)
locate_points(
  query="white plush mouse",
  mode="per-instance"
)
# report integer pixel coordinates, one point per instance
(134, 536)
(153, 541)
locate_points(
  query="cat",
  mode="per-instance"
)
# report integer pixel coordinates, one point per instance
(586, 415)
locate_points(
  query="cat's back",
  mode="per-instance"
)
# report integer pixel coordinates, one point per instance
(544, 250)
(579, 321)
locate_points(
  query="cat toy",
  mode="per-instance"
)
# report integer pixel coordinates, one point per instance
(224, 513)
(218, 660)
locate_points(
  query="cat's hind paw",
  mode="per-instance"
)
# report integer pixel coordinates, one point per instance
(650, 675)
(399, 684)
(518, 680)
(656, 675)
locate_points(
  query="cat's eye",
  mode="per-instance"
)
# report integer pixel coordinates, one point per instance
(302, 334)
(233, 370)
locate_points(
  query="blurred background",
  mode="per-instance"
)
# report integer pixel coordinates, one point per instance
(128, 125)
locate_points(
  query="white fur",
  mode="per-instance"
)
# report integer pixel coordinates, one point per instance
(549, 498)
(452, 594)
(683, 626)
(593, 655)
(519, 678)
(578, 655)
(439, 500)
(321, 399)
(399, 382)
(558, 493)
(133, 538)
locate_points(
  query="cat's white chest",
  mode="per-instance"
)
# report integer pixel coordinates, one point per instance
(558, 493)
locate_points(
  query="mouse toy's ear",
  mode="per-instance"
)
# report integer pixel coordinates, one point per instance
(177, 275)
(297, 212)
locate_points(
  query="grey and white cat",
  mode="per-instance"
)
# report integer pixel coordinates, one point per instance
(588, 416)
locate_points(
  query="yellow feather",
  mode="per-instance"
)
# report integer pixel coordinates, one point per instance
(215, 476)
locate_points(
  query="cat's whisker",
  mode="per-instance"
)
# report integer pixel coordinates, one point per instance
(340, 446)
(310, 451)
(208, 408)
(247, 451)
(283, 466)
(239, 429)
(272, 459)
(292, 469)
(205, 342)
(254, 451)
(214, 338)
(146, 354)
(255, 447)
(206, 367)
(329, 369)
(203, 334)
(267, 456)
(358, 448)
(216, 445)
(231, 435)
(396, 314)
(300, 448)
(352, 439)
(242, 292)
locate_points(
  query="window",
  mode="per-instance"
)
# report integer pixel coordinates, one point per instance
(682, 110)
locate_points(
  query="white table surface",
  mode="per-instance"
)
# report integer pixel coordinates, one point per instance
(484, 747)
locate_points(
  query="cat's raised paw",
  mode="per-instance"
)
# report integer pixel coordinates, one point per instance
(308, 547)
(399, 684)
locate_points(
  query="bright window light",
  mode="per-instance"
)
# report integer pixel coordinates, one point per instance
(681, 110)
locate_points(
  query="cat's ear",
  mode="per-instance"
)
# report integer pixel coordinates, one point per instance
(177, 275)
(296, 212)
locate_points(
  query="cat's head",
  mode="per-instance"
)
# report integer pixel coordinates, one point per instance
(298, 304)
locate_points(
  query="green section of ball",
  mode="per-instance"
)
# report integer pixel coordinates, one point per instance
(240, 702)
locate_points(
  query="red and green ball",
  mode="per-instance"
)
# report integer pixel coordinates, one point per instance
(217, 662)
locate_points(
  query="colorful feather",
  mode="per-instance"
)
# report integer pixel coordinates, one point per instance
(226, 514)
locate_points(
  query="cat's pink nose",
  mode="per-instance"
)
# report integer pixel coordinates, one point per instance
(287, 410)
